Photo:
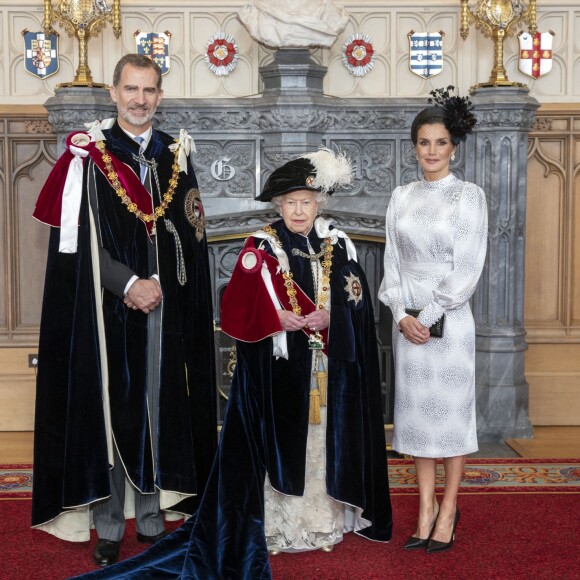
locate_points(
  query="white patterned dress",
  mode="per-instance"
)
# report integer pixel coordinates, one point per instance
(436, 241)
(307, 522)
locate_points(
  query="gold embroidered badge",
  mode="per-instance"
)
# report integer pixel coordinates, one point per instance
(194, 212)
(353, 288)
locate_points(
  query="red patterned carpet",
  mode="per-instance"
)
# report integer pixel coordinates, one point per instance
(520, 518)
(498, 476)
(481, 476)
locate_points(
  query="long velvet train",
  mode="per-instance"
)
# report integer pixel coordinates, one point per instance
(265, 430)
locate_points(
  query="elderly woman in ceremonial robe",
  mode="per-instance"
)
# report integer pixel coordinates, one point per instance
(302, 457)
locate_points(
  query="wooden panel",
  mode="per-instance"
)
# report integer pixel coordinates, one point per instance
(32, 162)
(4, 245)
(553, 373)
(554, 398)
(17, 390)
(17, 396)
(575, 247)
(27, 154)
(544, 232)
(552, 285)
(16, 447)
(545, 358)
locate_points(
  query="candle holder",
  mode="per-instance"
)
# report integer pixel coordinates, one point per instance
(498, 19)
(83, 19)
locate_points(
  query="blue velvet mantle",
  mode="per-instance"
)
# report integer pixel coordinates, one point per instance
(265, 430)
(70, 457)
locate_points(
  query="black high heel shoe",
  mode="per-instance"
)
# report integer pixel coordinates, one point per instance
(434, 546)
(414, 543)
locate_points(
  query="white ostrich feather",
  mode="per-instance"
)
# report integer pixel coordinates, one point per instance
(333, 170)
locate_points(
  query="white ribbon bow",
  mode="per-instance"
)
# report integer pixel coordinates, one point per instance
(94, 128)
(323, 231)
(71, 195)
(186, 145)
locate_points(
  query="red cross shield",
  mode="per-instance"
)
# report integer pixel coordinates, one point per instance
(535, 53)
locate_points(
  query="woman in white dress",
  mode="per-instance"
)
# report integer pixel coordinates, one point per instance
(436, 241)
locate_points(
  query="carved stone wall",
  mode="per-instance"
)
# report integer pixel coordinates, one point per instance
(387, 22)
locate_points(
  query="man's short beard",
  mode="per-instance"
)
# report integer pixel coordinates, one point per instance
(136, 121)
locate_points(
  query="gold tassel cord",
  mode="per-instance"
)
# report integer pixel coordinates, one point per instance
(322, 382)
(320, 376)
(314, 416)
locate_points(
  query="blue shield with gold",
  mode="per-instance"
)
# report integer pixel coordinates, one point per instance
(41, 53)
(155, 45)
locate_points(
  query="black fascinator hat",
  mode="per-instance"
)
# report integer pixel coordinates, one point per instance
(322, 171)
(449, 108)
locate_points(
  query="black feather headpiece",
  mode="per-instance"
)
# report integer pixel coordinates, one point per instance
(457, 112)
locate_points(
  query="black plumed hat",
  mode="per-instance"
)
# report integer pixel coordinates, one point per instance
(454, 111)
(322, 171)
(292, 176)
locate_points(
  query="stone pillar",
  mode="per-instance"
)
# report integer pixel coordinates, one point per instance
(72, 107)
(499, 166)
(293, 86)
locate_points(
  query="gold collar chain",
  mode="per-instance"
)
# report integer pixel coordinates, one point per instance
(289, 277)
(113, 179)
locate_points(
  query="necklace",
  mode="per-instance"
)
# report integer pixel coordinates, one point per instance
(289, 277)
(315, 341)
(312, 257)
(113, 179)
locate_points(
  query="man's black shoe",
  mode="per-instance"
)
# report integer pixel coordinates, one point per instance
(106, 552)
(150, 539)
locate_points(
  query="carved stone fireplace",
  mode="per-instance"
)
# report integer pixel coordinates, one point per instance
(240, 141)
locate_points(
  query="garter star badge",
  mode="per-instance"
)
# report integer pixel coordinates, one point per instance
(41, 53)
(536, 53)
(358, 54)
(353, 288)
(221, 54)
(194, 212)
(155, 45)
(426, 53)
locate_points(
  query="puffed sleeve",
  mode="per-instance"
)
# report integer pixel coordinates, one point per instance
(390, 291)
(469, 250)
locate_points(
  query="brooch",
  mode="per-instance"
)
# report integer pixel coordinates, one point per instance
(194, 212)
(353, 288)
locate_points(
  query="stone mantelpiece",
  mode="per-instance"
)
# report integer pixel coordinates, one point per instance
(240, 141)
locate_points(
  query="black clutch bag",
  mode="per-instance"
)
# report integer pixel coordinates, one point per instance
(436, 330)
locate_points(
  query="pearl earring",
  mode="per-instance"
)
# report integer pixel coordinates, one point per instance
(453, 157)
(416, 157)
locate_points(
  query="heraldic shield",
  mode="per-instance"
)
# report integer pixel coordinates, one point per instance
(426, 53)
(41, 53)
(535, 53)
(155, 45)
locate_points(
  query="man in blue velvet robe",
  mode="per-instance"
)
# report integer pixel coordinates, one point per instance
(126, 385)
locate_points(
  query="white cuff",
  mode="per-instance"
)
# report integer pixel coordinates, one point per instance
(130, 283)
